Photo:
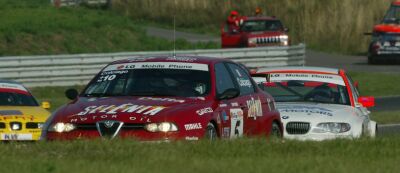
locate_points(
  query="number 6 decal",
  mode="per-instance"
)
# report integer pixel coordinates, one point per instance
(236, 122)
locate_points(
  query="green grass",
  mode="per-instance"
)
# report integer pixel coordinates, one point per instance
(377, 84)
(35, 27)
(386, 117)
(243, 155)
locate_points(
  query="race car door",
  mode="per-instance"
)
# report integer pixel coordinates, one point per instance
(230, 114)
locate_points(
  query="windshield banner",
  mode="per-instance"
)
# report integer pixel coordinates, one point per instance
(327, 78)
(158, 65)
(12, 86)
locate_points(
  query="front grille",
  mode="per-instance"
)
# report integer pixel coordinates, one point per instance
(297, 128)
(268, 40)
(2, 125)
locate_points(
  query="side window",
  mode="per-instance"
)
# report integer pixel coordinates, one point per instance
(242, 78)
(223, 78)
(353, 89)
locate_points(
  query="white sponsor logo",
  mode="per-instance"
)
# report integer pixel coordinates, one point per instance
(235, 104)
(193, 126)
(204, 111)
(255, 108)
(128, 108)
(192, 138)
(157, 65)
(244, 82)
(162, 99)
(328, 78)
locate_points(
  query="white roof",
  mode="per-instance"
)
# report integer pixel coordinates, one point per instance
(299, 68)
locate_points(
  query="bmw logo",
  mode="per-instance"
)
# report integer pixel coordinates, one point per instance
(285, 117)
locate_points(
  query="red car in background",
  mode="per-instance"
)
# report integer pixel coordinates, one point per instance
(167, 98)
(385, 44)
(255, 31)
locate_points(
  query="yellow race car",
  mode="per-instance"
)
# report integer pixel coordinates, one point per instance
(21, 117)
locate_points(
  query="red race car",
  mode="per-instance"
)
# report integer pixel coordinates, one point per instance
(385, 43)
(167, 98)
(257, 31)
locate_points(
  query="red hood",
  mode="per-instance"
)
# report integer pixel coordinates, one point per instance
(387, 28)
(136, 109)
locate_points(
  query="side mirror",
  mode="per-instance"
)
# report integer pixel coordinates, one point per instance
(71, 94)
(367, 101)
(356, 84)
(229, 94)
(46, 105)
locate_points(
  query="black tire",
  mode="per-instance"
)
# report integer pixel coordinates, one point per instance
(275, 131)
(211, 132)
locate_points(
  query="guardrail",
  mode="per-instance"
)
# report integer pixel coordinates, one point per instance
(62, 3)
(78, 69)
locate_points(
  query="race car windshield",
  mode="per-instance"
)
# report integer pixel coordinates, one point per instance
(16, 99)
(307, 91)
(261, 25)
(392, 16)
(150, 82)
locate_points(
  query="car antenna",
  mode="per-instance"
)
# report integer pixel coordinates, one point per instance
(174, 54)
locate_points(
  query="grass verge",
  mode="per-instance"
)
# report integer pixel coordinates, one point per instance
(35, 27)
(377, 84)
(241, 155)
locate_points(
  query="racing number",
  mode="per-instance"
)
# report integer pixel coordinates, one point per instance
(236, 122)
(106, 78)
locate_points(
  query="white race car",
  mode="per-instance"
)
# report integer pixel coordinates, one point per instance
(317, 103)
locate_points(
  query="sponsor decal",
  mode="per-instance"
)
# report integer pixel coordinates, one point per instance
(244, 82)
(225, 117)
(184, 59)
(235, 104)
(115, 72)
(238, 72)
(124, 108)
(157, 65)
(226, 132)
(236, 123)
(191, 138)
(305, 109)
(218, 119)
(193, 126)
(328, 78)
(12, 117)
(76, 118)
(162, 99)
(12, 86)
(255, 108)
(204, 111)
(223, 105)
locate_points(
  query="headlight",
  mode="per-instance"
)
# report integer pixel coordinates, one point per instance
(40, 125)
(332, 127)
(161, 127)
(61, 127)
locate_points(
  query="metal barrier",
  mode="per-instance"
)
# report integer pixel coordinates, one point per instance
(78, 69)
(62, 3)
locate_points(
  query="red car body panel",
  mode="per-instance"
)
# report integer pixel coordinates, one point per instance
(190, 114)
